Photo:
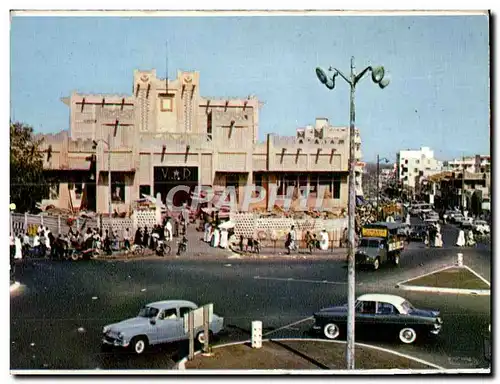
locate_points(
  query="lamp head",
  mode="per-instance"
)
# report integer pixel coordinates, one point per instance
(384, 83)
(329, 82)
(322, 76)
(378, 74)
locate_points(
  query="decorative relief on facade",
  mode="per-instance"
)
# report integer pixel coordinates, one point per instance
(144, 105)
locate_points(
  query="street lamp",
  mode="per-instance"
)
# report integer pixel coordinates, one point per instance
(378, 181)
(328, 80)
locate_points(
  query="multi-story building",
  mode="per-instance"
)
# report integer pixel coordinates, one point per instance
(324, 130)
(471, 164)
(165, 134)
(415, 165)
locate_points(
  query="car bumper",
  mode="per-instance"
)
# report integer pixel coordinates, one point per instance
(114, 343)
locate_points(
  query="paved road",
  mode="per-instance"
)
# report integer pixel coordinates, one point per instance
(58, 299)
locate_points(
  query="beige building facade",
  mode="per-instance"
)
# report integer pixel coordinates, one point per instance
(166, 134)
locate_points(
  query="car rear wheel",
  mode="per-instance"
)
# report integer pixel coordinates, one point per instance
(75, 256)
(407, 335)
(331, 331)
(376, 264)
(139, 345)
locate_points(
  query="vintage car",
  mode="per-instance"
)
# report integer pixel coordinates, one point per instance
(158, 322)
(380, 314)
(481, 226)
(418, 232)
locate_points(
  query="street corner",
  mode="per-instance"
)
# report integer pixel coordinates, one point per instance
(306, 354)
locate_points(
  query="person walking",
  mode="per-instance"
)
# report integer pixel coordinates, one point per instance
(126, 239)
(323, 240)
(308, 240)
(168, 230)
(291, 239)
(461, 238)
(145, 238)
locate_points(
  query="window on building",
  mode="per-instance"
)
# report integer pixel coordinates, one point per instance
(325, 182)
(336, 187)
(406, 161)
(303, 184)
(257, 178)
(209, 125)
(415, 170)
(167, 104)
(417, 161)
(117, 187)
(78, 190)
(144, 190)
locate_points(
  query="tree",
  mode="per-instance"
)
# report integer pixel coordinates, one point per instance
(27, 183)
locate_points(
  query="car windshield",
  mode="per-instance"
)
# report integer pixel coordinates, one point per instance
(148, 312)
(369, 243)
(407, 306)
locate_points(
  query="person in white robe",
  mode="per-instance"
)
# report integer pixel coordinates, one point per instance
(206, 236)
(215, 238)
(168, 230)
(438, 242)
(323, 240)
(223, 238)
(19, 248)
(461, 238)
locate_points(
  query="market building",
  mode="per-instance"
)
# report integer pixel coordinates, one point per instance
(165, 133)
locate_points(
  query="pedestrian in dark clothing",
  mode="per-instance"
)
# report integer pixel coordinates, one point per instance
(145, 238)
(241, 243)
(138, 236)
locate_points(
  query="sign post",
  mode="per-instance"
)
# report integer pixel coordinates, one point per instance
(206, 331)
(191, 335)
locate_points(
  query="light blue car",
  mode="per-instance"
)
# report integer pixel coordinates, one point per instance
(156, 323)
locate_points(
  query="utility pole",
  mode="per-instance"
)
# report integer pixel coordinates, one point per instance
(377, 74)
(462, 196)
(378, 179)
(351, 279)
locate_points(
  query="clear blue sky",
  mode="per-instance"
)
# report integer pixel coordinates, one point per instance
(439, 68)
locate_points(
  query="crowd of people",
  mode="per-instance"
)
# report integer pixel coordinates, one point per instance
(41, 242)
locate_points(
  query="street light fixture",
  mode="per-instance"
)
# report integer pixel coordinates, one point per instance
(378, 77)
(378, 182)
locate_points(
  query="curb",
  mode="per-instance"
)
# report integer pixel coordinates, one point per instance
(416, 288)
(181, 365)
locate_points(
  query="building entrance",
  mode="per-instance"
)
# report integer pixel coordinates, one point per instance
(166, 178)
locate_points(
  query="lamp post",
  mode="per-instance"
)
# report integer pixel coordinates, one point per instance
(377, 74)
(378, 182)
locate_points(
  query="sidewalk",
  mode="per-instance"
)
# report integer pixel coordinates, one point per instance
(197, 249)
(302, 354)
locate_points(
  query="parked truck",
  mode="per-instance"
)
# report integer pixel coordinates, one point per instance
(380, 242)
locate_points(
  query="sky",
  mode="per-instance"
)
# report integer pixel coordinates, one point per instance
(438, 97)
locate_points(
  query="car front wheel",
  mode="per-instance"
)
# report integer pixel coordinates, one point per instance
(407, 335)
(331, 331)
(138, 345)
